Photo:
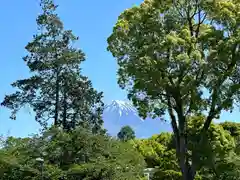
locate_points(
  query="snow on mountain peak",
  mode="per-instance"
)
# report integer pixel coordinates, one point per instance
(120, 113)
(122, 107)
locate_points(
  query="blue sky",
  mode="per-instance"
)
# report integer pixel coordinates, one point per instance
(91, 20)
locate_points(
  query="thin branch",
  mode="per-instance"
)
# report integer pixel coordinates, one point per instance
(196, 8)
(213, 110)
(176, 4)
(198, 81)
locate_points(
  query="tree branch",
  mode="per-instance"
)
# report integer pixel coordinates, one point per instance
(174, 125)
(213, 110)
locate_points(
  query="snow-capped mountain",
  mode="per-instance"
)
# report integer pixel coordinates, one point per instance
(121, 107)
(121, 113)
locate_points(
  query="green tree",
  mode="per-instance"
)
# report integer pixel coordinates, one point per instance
(78, 154)
(126, 133)
(232, 127)
(56, 90)
(217, 158)
(16, 160)
(170, 53)
(159, 154)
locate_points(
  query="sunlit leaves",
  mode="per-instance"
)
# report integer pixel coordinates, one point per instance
(73, 155)
(165, 49)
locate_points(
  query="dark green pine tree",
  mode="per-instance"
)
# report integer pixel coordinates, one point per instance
(126, 133)
(56, 90)
(81, 104)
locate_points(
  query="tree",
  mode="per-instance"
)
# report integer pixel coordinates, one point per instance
(126, 133)
(78, 154)
(170, 53)
(232, 127)
(16, 161)
(217, 157)
(158, 154)
(56, 90)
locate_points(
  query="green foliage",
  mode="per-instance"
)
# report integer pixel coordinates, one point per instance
(216, 143)
(126, 133)
(215, 158)
(170, 52)
(169, 174)
(232, 128)
(158, 153)
(78, 154)
(56, 90)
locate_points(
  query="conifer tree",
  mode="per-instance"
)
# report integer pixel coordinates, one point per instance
(56, 90)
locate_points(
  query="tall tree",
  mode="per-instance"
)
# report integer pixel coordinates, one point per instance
(56, 90)
(126, 133)
(170, 53)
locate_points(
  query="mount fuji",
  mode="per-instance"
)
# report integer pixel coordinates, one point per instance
(121, 113)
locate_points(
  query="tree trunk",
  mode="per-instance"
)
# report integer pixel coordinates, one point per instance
(187, 170)
(57, 88)
(74, 119)
(185, 165)
(179, 130)
(64, 120)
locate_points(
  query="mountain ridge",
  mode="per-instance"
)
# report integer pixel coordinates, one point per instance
(121, 113)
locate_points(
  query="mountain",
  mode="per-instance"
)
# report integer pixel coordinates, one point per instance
(121, 113)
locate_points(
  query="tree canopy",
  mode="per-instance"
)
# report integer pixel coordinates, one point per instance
(126, 133)
(180, 57)
(56, 91)
(217, 156)
(74, 155)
